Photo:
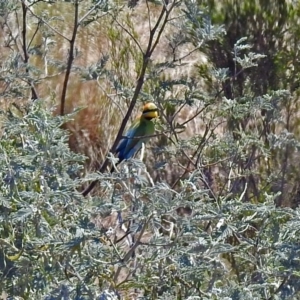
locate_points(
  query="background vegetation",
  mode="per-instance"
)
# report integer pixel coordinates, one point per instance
(209, 210)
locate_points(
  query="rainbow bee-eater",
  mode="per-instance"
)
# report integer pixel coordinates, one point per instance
(137, 134)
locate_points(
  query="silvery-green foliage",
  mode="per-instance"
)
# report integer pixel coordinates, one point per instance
(214, 232)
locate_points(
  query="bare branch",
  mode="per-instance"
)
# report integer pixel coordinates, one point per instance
(195, 115)
(33, 36)
(46, 23)
(90, 11)
(34, 94)
(149, 19)
(130, 34)
(110, 96)
(70, 60)
(150, 48)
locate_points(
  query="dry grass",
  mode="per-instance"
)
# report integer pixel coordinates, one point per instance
(95, 126)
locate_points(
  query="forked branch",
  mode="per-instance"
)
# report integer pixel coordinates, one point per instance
(155, 34)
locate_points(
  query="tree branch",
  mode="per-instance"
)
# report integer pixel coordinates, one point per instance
(34, 95)
(150, 48)
(46, 23)
(70, 60)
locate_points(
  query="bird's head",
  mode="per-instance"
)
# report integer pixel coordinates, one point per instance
(150, 111)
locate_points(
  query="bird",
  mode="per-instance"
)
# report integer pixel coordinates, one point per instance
(138, 133)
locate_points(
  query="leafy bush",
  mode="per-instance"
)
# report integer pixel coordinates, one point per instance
(203, 219)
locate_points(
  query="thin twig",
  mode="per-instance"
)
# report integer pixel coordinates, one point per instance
(129, 33)
(161, 29)
(188, 54)
(70, 60)
(34, 95)
(149, 19)
(146, 57)
(46, 23)
(195, 115)
(33, 36)
(137, 243)
(89, 12)
(285, 279)
(190, 162)
(178, 111)
(76, 274)
(201, 144)
(110, 97)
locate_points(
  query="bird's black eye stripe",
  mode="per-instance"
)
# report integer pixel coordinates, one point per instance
(149, 110)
